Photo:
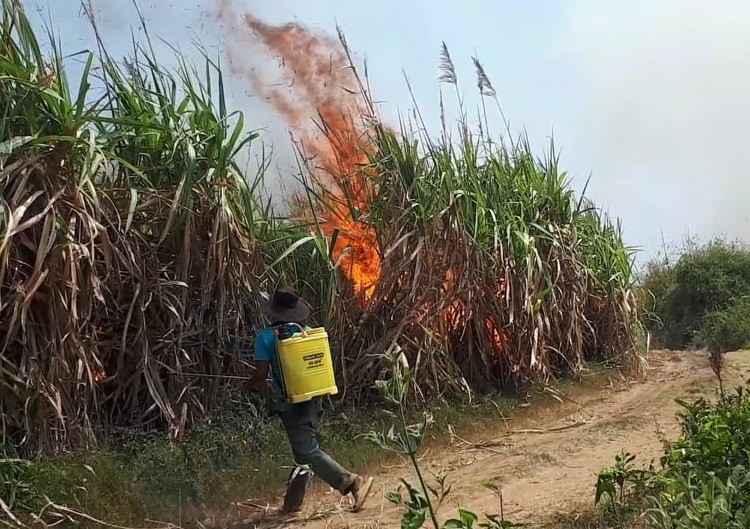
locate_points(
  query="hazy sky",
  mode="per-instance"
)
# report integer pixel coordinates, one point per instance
(650, 98)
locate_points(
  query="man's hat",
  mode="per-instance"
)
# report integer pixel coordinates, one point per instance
(285, 305)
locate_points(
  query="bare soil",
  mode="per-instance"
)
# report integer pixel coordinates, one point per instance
(545, 459)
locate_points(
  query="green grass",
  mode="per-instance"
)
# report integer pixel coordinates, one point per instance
(240, 456)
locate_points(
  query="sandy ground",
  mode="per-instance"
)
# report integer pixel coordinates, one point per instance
(547, 458)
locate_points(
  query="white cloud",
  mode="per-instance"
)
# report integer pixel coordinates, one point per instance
(666, 113)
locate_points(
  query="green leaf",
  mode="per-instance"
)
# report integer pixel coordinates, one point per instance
(468, 518)
(292, 248)
(8, 146)
(414, 519)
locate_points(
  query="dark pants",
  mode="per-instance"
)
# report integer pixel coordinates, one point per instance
(301, 424)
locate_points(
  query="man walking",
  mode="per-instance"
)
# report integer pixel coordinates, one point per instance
(300, 420)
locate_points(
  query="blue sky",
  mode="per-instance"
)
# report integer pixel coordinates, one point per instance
(649, 98)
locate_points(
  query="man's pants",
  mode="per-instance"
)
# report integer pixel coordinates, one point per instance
(300, 424)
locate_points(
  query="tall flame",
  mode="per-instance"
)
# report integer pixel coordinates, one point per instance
(320, 83)
(322, 86)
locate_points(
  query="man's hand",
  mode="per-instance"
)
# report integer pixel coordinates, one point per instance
(258, 383)
(256, 386)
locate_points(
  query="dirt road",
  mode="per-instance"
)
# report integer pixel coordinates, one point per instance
(546, 460)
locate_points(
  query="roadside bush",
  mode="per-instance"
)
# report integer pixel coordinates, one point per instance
(651, 293)
(676, 297)
(728, 329)
(715, 437)
(704, 481)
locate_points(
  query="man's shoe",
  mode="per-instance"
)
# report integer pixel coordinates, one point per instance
(360, 490)
(295, 492)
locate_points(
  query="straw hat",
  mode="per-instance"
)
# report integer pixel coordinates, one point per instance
(285, 305)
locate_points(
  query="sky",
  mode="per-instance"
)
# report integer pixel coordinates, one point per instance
(647, 100)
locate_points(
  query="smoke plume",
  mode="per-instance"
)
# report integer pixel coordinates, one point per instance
(666, 114)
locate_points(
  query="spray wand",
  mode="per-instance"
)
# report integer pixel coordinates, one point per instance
(206, 375)
(267, 399)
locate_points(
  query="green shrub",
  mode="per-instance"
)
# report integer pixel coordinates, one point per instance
(675, 298)
(715, 437)
(651, 293)
(709, 502)
(706, 478)
(727, 329)
(704, 481)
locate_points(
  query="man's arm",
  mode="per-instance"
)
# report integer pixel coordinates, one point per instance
(262, 356)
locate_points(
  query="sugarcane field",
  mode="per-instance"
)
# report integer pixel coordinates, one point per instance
(331, 265)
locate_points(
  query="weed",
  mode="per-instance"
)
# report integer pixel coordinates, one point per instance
(615, 481)
(422, 502)
(704, 481)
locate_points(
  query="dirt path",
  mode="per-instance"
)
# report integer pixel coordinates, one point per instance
(544, 474)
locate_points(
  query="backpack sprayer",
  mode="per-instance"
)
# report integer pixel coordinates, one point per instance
(306, 363)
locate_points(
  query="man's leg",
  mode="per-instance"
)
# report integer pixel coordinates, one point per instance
(301, 425)
(296, 489)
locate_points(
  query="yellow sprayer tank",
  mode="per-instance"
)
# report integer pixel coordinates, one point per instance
(306, 365)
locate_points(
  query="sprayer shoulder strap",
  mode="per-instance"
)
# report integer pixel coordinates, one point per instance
(277, 328)
(294, 327)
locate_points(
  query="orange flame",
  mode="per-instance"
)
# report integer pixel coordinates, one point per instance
(455, 315)
(320, 83)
